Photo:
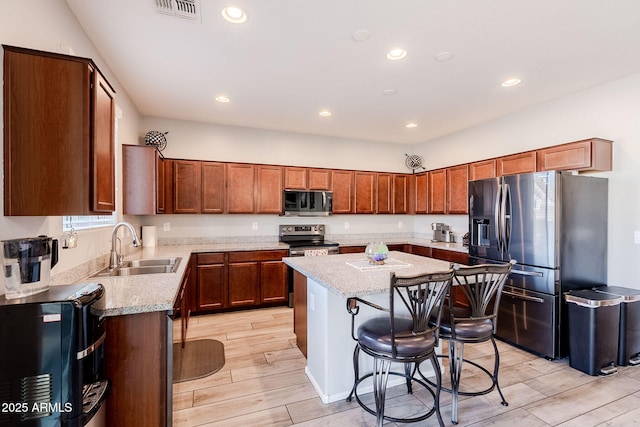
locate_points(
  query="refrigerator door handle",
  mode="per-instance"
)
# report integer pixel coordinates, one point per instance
(527, 273)
(498, 218)
(506, 217)
(523, 297)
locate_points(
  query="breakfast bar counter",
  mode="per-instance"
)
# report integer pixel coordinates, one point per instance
(322, 285)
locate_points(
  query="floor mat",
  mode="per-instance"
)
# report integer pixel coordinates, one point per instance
(197, 359)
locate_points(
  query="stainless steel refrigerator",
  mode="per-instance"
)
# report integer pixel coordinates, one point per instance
(554, 224)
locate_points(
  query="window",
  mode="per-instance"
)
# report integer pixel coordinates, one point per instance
(87, 221)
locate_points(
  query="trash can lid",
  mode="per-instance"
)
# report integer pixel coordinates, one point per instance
(591, 299)
(627, 294)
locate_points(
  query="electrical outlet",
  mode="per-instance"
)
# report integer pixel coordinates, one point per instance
(312, 302)
(346, 225)
(166, 226)
(636, 237)
(254, 226)
(400, 225)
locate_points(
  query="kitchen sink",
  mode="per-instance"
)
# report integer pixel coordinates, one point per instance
(142, 266)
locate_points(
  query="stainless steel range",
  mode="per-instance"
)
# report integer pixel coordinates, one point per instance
(307, 240)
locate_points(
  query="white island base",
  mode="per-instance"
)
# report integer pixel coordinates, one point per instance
(330, 346)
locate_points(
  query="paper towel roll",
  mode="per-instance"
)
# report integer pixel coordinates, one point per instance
(148, 236)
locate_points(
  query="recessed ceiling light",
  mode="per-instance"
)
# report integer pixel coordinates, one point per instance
(234, 14)
(360, 35)
(511, 82)
(396, 54)
(222, 98)
(325, 113)
(411, 125)
(444, 56)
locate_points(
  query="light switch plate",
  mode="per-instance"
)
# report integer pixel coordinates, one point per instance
(636, 237)
(166, 226)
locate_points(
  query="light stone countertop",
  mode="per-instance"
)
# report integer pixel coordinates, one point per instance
(157, 292)
(336, 274)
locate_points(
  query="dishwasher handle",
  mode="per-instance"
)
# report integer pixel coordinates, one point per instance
(527, 273)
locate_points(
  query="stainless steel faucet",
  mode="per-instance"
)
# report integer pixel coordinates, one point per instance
(116, 259)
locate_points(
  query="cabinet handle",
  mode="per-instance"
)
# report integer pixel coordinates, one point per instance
(527, 273)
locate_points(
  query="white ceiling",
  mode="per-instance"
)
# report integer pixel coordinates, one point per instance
(293, 58)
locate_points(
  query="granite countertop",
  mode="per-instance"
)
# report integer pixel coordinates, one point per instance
(348, 275)
(157, 292)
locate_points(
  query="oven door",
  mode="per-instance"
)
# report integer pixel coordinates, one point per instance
(528, 319)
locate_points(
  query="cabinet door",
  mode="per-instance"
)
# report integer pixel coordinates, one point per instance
(295, 178)
(400, 194)
(139, 179)
(421, 193)
(160, 185)
(274, 283)
(384, 193)
(186, 186)
(437, 191)
(482, 170)
(587, 155)
(45, 165)
(240, 188)
(517, 163)
(457, 189)
(269, 189)
(342, 182)
(244, 284)
(365, 183)
(213, 187)
(103, 145)
(212, 288)
(319, 179)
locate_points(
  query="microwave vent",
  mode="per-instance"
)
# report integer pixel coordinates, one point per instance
(37, 389)
(187, 9)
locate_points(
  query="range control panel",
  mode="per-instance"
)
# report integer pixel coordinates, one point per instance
(302, 230)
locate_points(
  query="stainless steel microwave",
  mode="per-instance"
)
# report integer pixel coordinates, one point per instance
(307, 203)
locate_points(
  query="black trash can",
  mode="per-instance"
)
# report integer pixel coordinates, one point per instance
(629, 336)
(594, 319)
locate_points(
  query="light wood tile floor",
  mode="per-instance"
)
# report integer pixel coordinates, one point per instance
(263, 384)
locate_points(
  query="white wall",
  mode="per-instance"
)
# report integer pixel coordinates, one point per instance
(49, 25)
(610, 111)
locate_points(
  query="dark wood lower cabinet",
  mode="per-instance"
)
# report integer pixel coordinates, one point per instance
(243, 279)
(300, 310)
(136, 355)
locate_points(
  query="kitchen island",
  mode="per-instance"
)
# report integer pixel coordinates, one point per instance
(329, 281)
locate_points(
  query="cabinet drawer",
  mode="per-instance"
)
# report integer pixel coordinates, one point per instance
(210, 258)
(243, 256)
(452, 256)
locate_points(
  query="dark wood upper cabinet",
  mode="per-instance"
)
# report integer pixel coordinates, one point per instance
(342, 185)
(213, 187)
(401, 194)
(186, 186)
(269, 185)
(589, 155)
(482, 170)
(437, 191)
(457, 189)
(160, 185)
(516, 163)
(295, 178)
(241, 178)
(319, 179)
(384, 193)
(421, 195)
(365, 190)
(139, 179)
(58, 135)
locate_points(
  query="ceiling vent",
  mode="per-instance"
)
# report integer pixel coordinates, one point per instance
(188, 9)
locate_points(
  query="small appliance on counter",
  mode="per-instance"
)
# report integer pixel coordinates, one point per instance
(27, 265)
(442, 233)
(52, 371)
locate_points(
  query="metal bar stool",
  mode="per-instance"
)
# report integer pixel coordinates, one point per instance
(406, 337)
(482, 286)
